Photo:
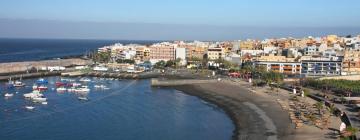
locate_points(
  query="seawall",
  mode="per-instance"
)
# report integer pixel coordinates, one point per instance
(22, 67)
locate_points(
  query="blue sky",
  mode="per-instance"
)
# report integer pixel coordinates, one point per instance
(228, 18)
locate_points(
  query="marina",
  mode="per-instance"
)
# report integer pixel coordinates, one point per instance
(121, 107)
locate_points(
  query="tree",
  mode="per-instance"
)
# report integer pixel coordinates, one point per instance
(128, 61)
(160, 65)
(319, 106)
(177, 62)
(170, 63)
(102, 57)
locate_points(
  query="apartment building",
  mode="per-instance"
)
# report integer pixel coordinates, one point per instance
(351, 62)
(320, 66)
(280, 64)
(162, 52)
(215, 53)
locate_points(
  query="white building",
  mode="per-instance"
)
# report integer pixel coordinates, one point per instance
(181, 53)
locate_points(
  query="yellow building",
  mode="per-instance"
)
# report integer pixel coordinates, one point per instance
(247, 45)
(215, 53)
(279, 64)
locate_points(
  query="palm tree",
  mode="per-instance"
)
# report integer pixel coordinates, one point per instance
(319, 106)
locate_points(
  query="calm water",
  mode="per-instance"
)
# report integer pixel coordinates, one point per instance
(39, 49)
(129, 110)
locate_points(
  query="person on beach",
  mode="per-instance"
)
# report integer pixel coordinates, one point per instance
(302, 93)
(294, 90)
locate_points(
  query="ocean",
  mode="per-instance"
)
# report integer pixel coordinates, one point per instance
(128, 110)
(12, 50)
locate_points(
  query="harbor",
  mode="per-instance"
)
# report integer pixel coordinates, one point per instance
(120, 106)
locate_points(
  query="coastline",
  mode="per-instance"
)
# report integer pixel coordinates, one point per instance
(239, 103)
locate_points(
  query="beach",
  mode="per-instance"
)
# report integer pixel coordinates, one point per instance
(257, 113)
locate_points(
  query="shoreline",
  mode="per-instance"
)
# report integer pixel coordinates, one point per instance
(246, 113)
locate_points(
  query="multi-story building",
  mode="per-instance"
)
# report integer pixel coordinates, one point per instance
(215, 53)
(142, 53)
(247, 45)
(180, 53)
(351, 62)
(194, 51)
(280, 64)
(162, 52)
(320, 66)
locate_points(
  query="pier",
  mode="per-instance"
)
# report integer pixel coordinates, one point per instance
(178, 82)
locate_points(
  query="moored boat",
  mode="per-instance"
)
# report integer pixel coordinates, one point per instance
(19, 84)
(42, 87)
(8, 95)
(29, 107)
(61, 89)
(83, 98)
(85, 80)
(41, 81)
(39, 99)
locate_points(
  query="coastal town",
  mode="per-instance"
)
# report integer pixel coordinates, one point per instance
(305, 57)
(315, 78)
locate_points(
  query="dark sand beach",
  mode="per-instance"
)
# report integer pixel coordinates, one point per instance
(255, 117)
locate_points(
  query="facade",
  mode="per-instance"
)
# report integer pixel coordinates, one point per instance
(181, 54)
(215, 53)
(280, 64)
(351, 63)
(161, 52)
(321, 66)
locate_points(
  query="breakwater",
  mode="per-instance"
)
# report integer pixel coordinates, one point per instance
(179, 82)
(23, 67)
(29, 75)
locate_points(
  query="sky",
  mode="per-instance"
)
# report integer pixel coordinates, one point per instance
(177, 19)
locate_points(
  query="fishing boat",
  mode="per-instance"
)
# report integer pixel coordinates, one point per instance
(8, 95)
(44, 103)
(29, 107)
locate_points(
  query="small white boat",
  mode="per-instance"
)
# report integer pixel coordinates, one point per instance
(19, 84)
(83, 98)
(34, 94)
(99, 86)
(76, 84)
(29, 107)
(44, 103)
(39, 99)
(85, 80)
(71, 89)
(42, 87)
(8, 95)
(82, 89)
(61, 89)
(34, 87)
